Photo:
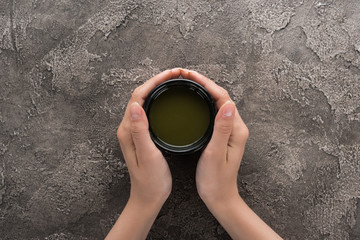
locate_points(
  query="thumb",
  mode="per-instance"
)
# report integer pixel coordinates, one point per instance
(139, 130)
(222, 128)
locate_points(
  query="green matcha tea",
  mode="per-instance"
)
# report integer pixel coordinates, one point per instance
(179, 116)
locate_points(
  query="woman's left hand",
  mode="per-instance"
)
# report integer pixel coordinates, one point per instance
(150, 175)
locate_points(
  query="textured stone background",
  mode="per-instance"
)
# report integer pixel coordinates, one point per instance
(67, 69)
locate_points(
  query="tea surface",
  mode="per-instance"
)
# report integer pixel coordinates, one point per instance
(179, 116)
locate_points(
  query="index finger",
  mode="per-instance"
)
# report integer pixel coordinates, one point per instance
(219, 94)
(141, 92)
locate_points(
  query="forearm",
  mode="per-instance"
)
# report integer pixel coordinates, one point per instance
(135, 221)
(240, 221)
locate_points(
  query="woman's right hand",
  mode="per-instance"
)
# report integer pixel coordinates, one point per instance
(218, 166)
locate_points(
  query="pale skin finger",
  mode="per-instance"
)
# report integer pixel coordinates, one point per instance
(142, 91)
(140, 133)
(222, 130)
(219, 94)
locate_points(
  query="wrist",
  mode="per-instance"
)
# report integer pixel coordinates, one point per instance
(240, 221)
(135, 220)
(143, 203)
(223, 204)
(219, 198)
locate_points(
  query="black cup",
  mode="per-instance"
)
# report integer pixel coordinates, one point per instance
(200, 91)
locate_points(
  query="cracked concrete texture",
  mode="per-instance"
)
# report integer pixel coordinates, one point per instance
(67, 69)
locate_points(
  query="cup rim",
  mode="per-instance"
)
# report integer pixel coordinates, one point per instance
(202, 92)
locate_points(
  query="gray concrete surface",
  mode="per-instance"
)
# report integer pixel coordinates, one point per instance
(67, 69)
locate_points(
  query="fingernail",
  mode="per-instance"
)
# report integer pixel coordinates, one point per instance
(135, 111)
(228, 110)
